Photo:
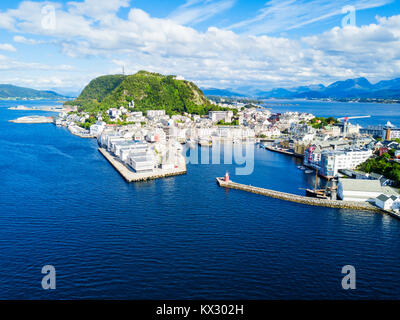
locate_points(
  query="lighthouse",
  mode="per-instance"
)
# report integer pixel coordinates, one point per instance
(226, 179)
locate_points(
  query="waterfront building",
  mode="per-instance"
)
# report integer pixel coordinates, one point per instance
(362, 190)
(375, 131)
(97, 128)
(390, 132)
(300, 148)
(141, 158)
(329, 162)
(385, 202)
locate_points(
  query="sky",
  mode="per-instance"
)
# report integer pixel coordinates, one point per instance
(238, 44)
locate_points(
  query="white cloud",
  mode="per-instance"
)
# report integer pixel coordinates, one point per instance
(195, 11)
(215, 57)
(283, 15)
(7, 47)
(21, 39)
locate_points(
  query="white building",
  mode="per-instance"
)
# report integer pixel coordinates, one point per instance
(329, 162)
(114, 113)
(141, 158)
(385, 202)
(155, 113)
(97, 129)
(217, 116)
(362, 190)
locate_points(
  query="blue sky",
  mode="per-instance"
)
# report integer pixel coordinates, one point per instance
(62, 45)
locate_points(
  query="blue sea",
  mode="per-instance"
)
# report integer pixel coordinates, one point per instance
(63, 204)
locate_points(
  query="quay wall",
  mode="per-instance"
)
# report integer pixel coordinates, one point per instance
(299, 199)
(131, 176)
(284, 152)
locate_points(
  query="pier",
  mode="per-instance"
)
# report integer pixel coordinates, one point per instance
(33, 119)
(300, 156)
(131, 176)
(299, 199)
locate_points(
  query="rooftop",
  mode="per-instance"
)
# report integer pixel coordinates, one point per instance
(366, 186)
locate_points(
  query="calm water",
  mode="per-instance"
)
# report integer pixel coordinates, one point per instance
(380, 113)
(62, 204)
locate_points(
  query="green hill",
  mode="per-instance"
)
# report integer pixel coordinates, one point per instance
(100, 87)
(147, 90)
(8, 91)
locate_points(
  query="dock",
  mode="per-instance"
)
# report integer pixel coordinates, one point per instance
(289, 153)
(339, 204)
(33, 119)
(131, 176)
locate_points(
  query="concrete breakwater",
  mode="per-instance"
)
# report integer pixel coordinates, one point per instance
(131, 176)
(33, 119)
(299, 199)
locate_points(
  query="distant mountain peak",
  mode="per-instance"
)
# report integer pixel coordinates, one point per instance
(9, 91)
(350, 88)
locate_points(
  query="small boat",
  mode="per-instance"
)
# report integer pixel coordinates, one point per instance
(309, 171)
(301, 167)
(316, 193)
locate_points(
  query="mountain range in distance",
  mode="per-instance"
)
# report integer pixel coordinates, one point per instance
(11, 92)
(359, 88)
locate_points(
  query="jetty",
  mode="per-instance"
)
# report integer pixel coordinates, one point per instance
(33, 119)
(289, 153)
(42, 108)
(223, 182)
(131, 176)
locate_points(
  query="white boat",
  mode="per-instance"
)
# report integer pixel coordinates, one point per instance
(301, 167)
(309, 171)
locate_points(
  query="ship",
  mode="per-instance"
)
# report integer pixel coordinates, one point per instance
(317, 193)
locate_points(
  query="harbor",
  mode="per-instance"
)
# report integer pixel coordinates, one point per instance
(131, 176)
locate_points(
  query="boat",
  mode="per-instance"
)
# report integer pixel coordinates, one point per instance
(301, 167)
(316, 193)
(309, 171)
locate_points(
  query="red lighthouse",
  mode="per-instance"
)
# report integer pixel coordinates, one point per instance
(226, 177)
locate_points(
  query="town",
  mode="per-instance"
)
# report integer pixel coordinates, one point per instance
(149, 144)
